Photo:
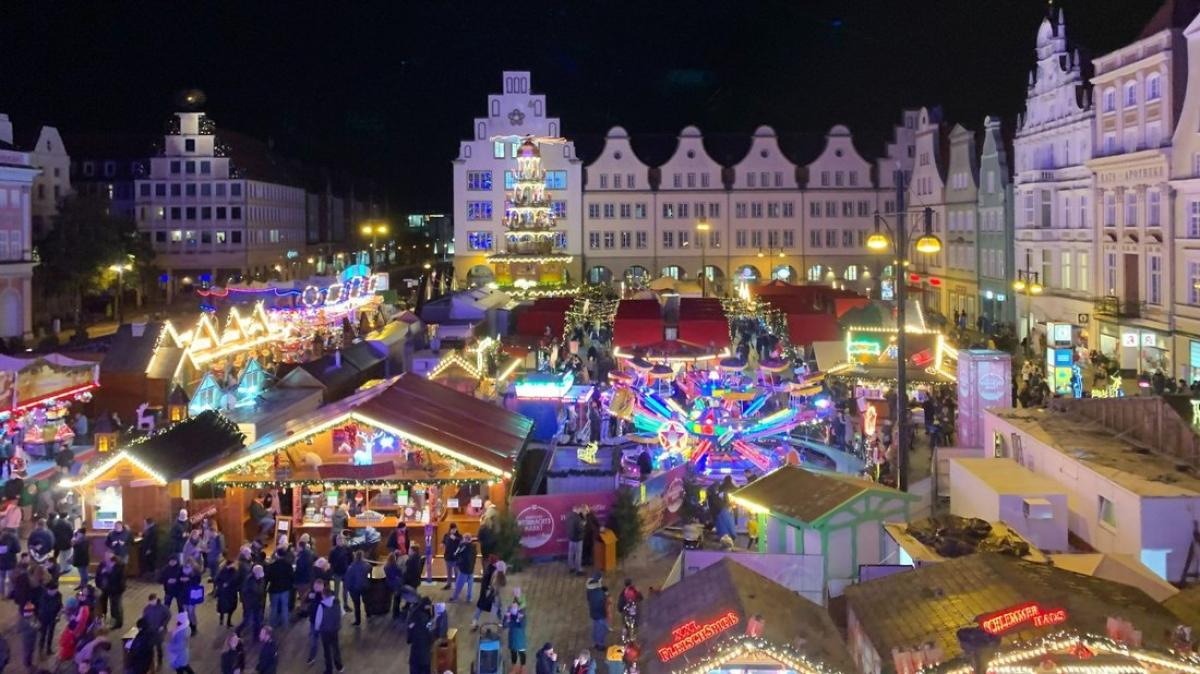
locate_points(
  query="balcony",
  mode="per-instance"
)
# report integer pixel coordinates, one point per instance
(1114, 307)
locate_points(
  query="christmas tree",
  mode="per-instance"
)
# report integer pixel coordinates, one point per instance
(529, 258)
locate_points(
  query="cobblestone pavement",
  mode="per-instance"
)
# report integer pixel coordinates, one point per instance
(557, 613)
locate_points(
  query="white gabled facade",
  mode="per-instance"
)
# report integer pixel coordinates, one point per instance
(1053, 216)
(766, 219)
(839, 206)
(619, 215)
(1185, 207)
(962, 230)
(54, 184)
(926, 190)
(690, 190)
(479, 178)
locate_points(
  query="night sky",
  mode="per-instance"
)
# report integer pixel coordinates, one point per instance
(387, 90)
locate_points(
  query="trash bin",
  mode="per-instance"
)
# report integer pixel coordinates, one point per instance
(615, 659)
(606, 551)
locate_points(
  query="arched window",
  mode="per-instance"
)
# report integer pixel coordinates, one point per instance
(1110, 99)
(1153, 87)
(600, 275)
(1130, 94)
(815, 272)
(851, 273)
(496, 108)
(748, 273)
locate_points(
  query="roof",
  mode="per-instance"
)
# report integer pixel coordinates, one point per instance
(131, 354)
(181, 450)
(1185, 605)
(932, 602)
(1008, 477)
(258, 160)
(1119, 569)
(359, 363)
(1001, 539)
(1172, 14)
(808, 496)
(111, 146)
(729, 586)
(1130, 466)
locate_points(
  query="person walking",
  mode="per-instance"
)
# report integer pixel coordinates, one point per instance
(576, 526)
(110, 579)
(597, 603)
(412, 575)
(280, 583)
(450, 543)
(191, 589)
(312, 600)
(329, 621)
(149, 548)
(357, 577)
(194, 548)
(226, 587)
(514, 621)
(157, 616)
(215, 549)
(50, 605)
(465, 573)
(268, 653)
(305, 568)
(169, 579)
(487, 593)
(140, 651)
(178, 655)
(28, 632)
(179, 533)
(393, 578)
(254, 591)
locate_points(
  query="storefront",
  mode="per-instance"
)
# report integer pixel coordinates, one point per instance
(726, 618)
(1138, 348)
(406, 453)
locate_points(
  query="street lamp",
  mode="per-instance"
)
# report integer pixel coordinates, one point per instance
(702, 229)
(1028, 283)
(896, 241)
(120, 269)
(772, 255)
(373, 230)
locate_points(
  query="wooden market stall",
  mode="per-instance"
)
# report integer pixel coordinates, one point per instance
(150, 477)
(406, 452)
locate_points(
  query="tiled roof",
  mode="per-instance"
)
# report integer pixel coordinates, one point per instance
(804, 495)
(729, 586)
(932, 602)
(1172, 14)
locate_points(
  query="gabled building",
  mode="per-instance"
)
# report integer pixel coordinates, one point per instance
(839, 206)
(1185, 207)
(690, 190)
(960, 242)
(994, 268)
(619, 212)
(17, 175)
(927, 190)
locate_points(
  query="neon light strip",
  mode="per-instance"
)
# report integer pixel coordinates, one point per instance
(114, 460)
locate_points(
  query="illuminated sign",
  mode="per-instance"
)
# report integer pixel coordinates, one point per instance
(1129, 339)
(1148, 339)
(1030, 612)
(864, 348)
(691, 634)
(351, 289)
(545, 386)
(1061, 333)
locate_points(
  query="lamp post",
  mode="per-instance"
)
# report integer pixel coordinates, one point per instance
(898, 243)
(702, 229)
(373, 230)
(120, 269)
(1028, 283)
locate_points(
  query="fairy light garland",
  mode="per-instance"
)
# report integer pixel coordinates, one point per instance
(733, 648)
(1063, 643)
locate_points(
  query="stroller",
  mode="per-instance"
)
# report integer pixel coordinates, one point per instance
(488, 655)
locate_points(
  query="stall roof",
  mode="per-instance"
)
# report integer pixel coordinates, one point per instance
(808, 496)
(131, 349)
(729, 586)
(933, 602)
(178, 452)
(480, 433)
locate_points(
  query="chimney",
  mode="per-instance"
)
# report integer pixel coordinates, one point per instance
(6, 130)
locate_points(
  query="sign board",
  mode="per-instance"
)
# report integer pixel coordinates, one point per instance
(1148, 339)
(1129, 339)
(543, 519)
(1013, 617)
(691, 634)
(1060, 333)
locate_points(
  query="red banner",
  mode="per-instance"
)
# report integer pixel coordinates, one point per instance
(543, 519)
(661, 498)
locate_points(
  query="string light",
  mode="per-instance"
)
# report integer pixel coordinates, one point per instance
(107, 465)
(733, 648)
(1065, 643)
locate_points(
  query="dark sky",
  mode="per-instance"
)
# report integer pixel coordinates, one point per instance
(388, 89)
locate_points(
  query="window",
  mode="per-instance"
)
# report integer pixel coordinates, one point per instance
(235, 213)
(751, 179)
(699, 209)
(684, 238)
(1064, 269)
(1154, 279)
(479, 210)
(1085, 279)
(1046, 208)
(236, 235)
(205, 167)
(206, 190)
(625, 211)
(739, 238)
(479, 240)
(814, 209)
(847, 209)
(824, 178)
(206, 212)
(560, 241)
(176, 189)
(789, 238)
(189, 145)
(1153, 134)
(206, 237)
(773, 238)
(1130, 208)
(557, 180)
(160, 189)
(847, 238)
(1153, 87)
(160, 237)
(814, 238)
(626, 239)
(642, 239)
(593, 239)
(1110, 273)
(1047, 263)
(189, 167)
(235, 189)
(498, 148)
(677, 180)
(739, 210)
(714, 210)
(144, 189)
(1066, 212)
(853, 175)
(1110, 143)
(1193, 222)
(703, 180)
(831, 209)
(864, 209)
(190, 189)
(558, 208)
(617, 181)
(756, 239)
(1130, 144)
(593, 211)
(714, 239)
(479, 180)
(1153, 200)
(1110, 99)
(756, 210)
(220, 189)
(175, 166)
(691, 180)
(1130, 94)
(1110, 209)
(683, 210)
(609, 211)
(639, 211)
(831, 238)
(668, 239)
(1107, 513)
(629, 181)
(1193, 283)
(838, 177)
(610, 239)
(779, 179)
(221, 212)
(668, 210)
(220, 237)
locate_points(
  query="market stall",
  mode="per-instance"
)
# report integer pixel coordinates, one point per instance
(726, 618)
(36, 395)
(404, 453)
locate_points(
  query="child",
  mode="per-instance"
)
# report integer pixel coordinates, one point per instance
(752, 532)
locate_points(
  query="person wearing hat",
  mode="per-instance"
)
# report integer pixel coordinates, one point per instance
(546, 660)
(177, 646)
(597, 602)
(179, 532)
(27, 629)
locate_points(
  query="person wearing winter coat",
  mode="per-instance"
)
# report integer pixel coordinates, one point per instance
(169, 579)
(110, 579)
(268, 652)
(27, 629)
(465, 573)
(340, 558)
(280, 583)
(193, 549)
(41, 540)
(119, 541)
(81, 555)
(149, 547)
(305, 568)
(10, 546)
(178, 656)
(487, 593)
(450, 543)
(329, 622)
(140, 654)
(191, 590)
(60, 526)
(226, 588)
(49, 606)
(393, 577)
(420, 642)
(547, 660)
(584, 664)
(597, 603)
(233, 658)
(216, 549)
(357, 577)
(514, 621)
(157, 617)
(312, 601)
(254, 592)
(179, 533)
